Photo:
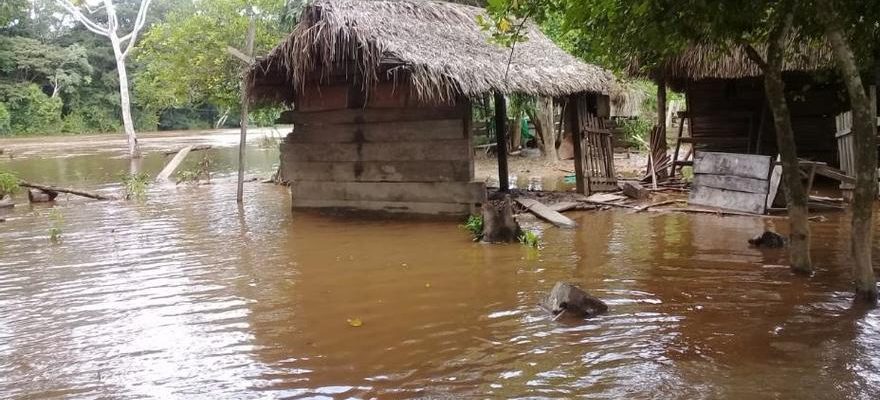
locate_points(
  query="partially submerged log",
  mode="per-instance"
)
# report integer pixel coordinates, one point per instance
(201, 147)
(6, 201)
(173, 164)
(82, 193)
(545, 213)
(41, 196)
(499, 225)
(572, 301)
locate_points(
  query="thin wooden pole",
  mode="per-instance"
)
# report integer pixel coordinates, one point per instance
(242, 143)
(577, 141)
(501, 141)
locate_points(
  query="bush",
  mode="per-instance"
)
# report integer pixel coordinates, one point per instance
(33, 112)
(637, 131)
(8, 183)
(5, 128)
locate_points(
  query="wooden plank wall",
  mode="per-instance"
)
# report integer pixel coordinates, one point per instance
(388, 153)
(731, 109)
(737, 182)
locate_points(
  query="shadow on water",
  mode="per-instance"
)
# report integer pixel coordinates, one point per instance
(187, 294)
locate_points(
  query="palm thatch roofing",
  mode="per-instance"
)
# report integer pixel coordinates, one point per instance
(437, 46)
(703, 61)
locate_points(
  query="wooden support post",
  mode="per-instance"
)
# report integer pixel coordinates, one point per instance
(501, 140)
(574, 123)
(242, 144)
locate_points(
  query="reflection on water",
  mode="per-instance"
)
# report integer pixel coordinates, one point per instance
(185, 295)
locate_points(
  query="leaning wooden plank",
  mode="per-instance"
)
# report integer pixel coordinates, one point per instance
(566, 206)
(835, 174)
(744, 165)
(727, 199)
(545, 213)
(405, 131)
(394, 207)
(377, 171)
(416, 192)
(729, 182)
(173, 164)
(439, 150)
(82, 193)
(775, 180)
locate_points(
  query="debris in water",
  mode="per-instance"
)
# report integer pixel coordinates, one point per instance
(768, 239)
(355, 322)
(566, 298)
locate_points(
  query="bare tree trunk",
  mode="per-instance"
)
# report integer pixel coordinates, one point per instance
(124, 100)
(795, 194)
(864, 132)
(543, 120)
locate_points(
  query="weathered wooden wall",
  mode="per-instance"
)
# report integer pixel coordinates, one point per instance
(383, 152)
(726, 116)
(737, 182)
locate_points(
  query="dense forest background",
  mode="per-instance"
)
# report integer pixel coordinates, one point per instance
(56, 77)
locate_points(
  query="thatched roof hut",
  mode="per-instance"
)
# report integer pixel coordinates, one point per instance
(726, 103)
(381, 93)
(704, 61)
(437, 46)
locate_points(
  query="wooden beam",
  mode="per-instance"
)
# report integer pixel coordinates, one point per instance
(173, 164)
(546, 213)
(501, 140)
(577, 142)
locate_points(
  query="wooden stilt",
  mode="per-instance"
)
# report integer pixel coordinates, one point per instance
(577, 140)
(501, 140)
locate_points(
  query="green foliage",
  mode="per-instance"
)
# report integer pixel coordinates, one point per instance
(31, 111)
(134, 186)
(637, 131)
(8, 183)
(530, 239)
(30, 60)
(5, 127)
(474, 225)
(201, 171)
(184, 58)
(56, 221)
(266, 116)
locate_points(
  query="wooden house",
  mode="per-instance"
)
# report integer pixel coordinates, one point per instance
(380, 94)
(727, 109)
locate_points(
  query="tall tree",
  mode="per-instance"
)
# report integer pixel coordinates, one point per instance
(122, 45)
(864, 131)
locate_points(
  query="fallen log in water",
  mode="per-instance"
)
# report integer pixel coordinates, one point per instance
(76, 192)
(200, 147)
(173, 164)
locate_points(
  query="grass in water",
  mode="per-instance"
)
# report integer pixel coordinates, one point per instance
(56, 220)
(530, 239)
(8, 183)
(201, 172)
(474, 225)
(135, 186)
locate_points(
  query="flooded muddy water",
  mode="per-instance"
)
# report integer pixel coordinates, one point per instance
(186, 295)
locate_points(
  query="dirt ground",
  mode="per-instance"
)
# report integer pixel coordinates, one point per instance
(627, 165)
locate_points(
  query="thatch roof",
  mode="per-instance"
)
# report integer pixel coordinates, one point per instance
(702, 61)
(437, 45)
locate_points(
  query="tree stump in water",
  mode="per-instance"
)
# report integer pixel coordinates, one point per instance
(573, 301)
(41, 196)
(499, 225)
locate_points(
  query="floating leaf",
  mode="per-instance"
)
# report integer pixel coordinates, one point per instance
(355, 322)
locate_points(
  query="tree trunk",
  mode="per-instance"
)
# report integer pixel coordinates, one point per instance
(795, 194)
(543, 120)
(864, 131)
(124, 99)
(501, 141)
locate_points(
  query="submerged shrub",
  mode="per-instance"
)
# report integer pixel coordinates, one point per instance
(8, 183)
(135, 186)
(474, 225)
(530, 239)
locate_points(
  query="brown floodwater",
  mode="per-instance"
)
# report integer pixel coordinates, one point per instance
(186, 295)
